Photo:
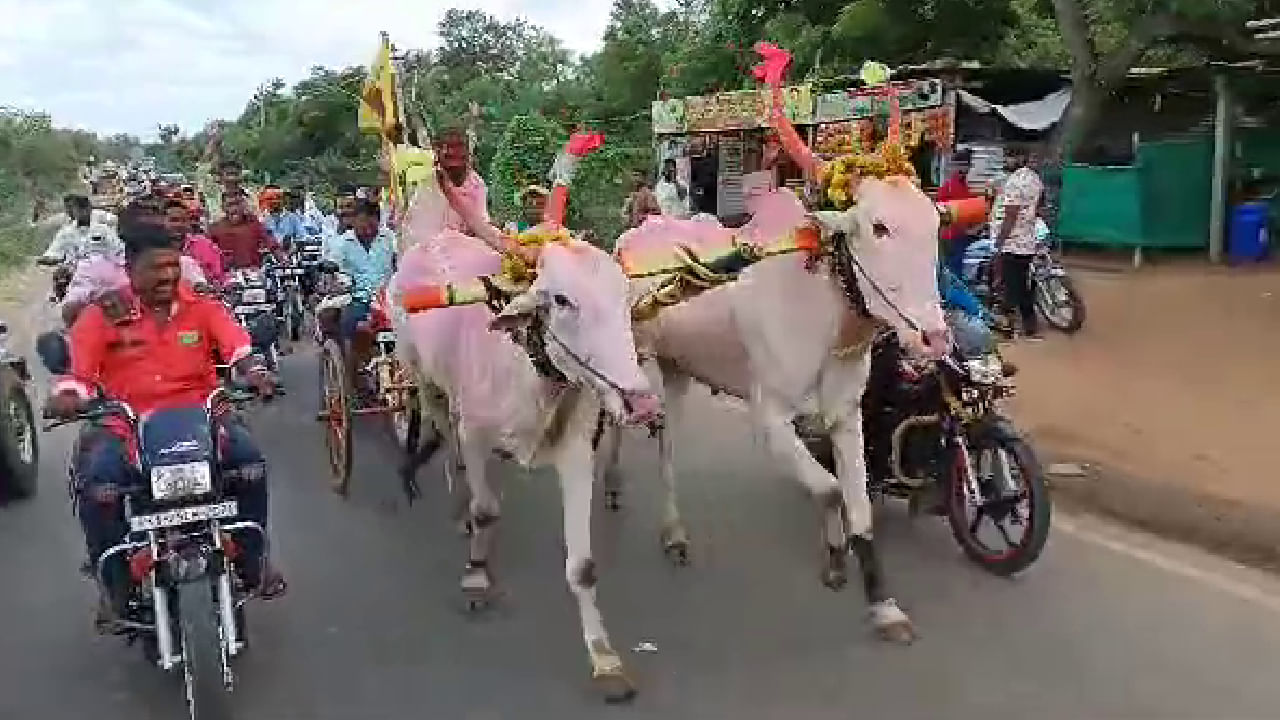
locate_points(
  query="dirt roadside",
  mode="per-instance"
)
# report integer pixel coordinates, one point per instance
(1170, 396)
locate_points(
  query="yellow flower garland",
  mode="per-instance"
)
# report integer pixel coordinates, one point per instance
(514, 267)
(837, 177)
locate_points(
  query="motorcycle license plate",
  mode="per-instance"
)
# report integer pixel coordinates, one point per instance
(1057, 272)
(184, 516)
(254, 296)
(176, 481)
(387, 336)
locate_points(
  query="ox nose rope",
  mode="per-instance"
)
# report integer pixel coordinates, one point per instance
(911, 323)
(848, 268)
(604, 380)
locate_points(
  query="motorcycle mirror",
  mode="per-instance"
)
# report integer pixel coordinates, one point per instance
(54, 352)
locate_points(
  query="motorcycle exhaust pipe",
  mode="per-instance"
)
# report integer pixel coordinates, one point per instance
(895, 448)
(164, 621)
(226, 602)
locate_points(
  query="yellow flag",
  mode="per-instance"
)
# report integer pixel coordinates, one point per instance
(378, 95)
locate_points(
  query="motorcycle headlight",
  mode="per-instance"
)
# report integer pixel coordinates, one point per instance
(985, 370)
(170, 482)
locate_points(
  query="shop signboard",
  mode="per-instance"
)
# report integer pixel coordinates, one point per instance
(858, 103)
(740, 110)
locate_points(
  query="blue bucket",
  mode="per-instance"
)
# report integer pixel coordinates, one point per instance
(1249, 239)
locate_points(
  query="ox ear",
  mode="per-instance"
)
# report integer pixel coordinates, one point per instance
(519, 312)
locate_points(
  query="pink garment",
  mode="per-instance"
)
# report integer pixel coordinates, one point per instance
(475, 194)
(93, 277)
(206, 253)
(652, 245)
(902, 264)
(487, 377)
(98, 274)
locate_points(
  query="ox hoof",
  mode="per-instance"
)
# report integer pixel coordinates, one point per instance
(477, 589)
(675, 545)
(614, 686)
(893, 625)
(836, 574)
(612, 500)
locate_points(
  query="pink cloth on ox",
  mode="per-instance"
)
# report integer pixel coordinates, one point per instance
(653, 245)
(455, 344)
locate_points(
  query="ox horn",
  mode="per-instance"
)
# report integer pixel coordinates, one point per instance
(969, 211)
(421, 298)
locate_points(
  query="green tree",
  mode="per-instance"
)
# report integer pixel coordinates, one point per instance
(1106, 38)
(523, 157)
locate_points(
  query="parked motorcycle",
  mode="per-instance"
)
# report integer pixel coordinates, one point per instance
(19, 446)
(182, 558)
(1056, 296)
(935, 434)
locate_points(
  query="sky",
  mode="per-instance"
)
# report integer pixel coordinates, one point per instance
(115, 66)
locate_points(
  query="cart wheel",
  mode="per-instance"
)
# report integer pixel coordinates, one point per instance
(335, 394)
(403, 404)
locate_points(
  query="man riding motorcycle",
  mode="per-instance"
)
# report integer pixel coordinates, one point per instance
(79, 239)
(193, 244)
(241, 237)
(283, 220)
(152, 347)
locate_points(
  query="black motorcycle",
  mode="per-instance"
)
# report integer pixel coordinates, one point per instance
(289, 307)
(183, 557)
(253, 296)
(934, 434)
(1057, 298)
(19, 447)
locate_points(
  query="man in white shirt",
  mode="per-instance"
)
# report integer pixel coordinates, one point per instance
(673, 197)
(81, 236)
(1013, 227)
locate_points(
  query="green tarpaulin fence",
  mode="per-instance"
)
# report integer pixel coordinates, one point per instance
(1162, 201)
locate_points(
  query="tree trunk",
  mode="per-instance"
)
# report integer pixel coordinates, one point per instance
(1078, 121)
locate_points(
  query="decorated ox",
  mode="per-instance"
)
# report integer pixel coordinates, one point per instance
(792, 333)
(524, 374)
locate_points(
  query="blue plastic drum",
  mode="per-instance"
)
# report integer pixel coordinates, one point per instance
(1249, 238)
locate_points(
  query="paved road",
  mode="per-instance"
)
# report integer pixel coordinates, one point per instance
(1108, 625)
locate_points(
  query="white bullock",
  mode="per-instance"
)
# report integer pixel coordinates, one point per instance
(789, 338)
(536, 401)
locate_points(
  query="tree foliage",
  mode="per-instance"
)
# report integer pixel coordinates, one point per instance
(525, 153)
(521, 92)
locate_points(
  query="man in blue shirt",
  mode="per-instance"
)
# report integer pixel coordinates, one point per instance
(283, 221)
(366, 252)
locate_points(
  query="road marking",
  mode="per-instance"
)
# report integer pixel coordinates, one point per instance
(1242, 590)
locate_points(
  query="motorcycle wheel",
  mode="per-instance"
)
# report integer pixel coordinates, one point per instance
(1060, 304)
(203, 660)
(293, 320)
(19, 444)
(1028, 478)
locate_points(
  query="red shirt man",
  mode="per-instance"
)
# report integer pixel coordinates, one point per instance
(152, 363)
(240, 236)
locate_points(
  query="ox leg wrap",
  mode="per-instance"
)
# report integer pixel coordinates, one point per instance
(864, 549)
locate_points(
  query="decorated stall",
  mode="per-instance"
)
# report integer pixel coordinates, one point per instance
(724, 146)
